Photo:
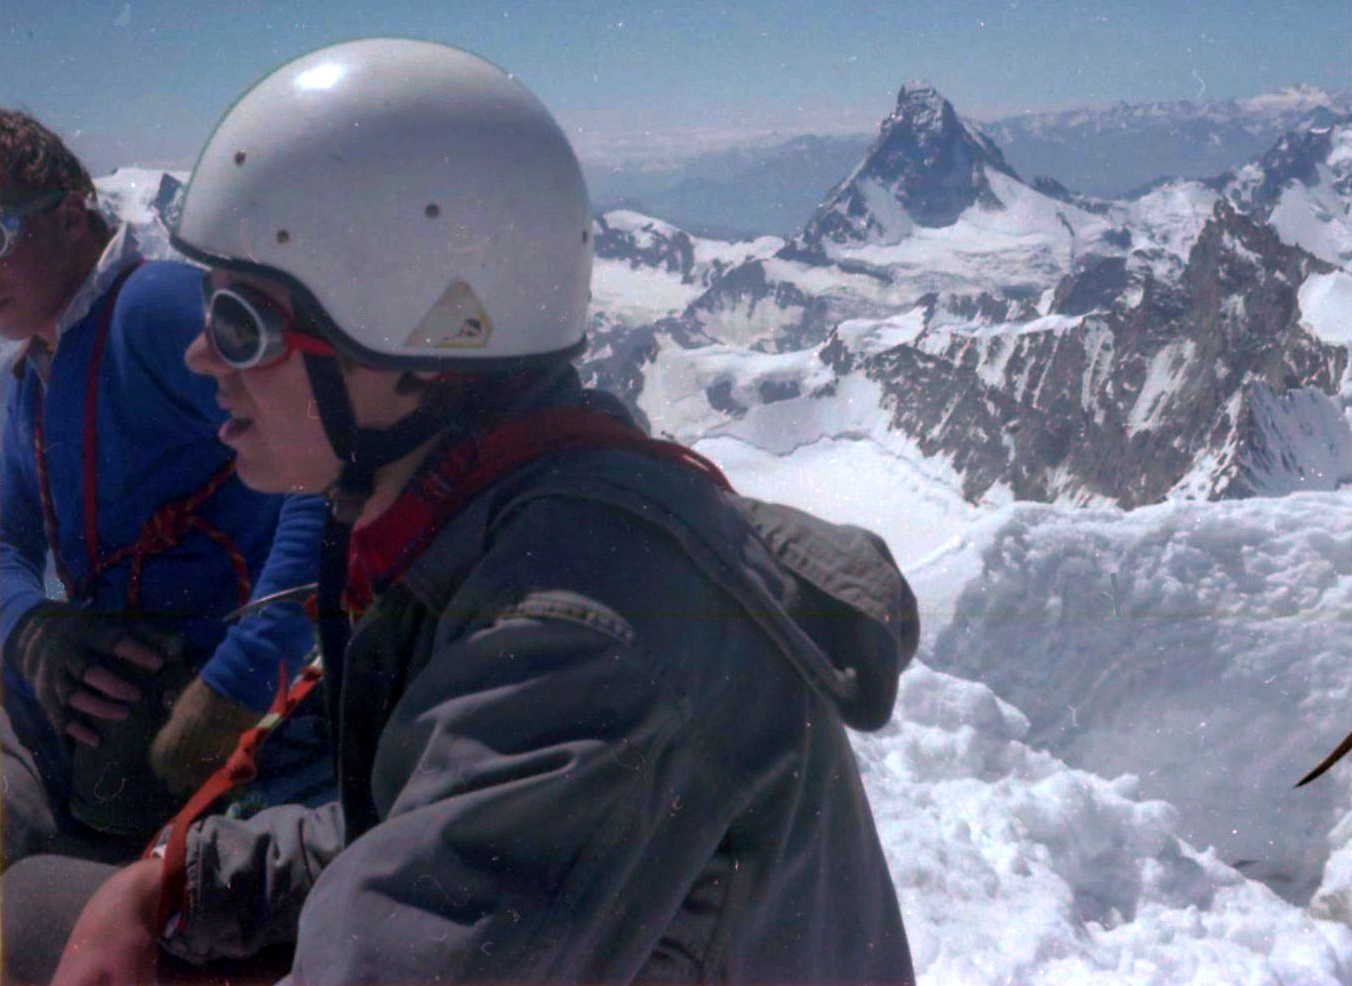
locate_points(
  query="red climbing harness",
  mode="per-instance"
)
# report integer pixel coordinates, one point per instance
(240, 768)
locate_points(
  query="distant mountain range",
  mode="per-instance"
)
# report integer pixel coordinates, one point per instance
(1106, 152)
(1189, 342)
(1015, 339)
(1114, 150)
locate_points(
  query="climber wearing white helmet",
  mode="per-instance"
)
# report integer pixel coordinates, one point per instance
(589, 704)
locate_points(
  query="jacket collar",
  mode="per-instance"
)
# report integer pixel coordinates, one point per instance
(122, 251)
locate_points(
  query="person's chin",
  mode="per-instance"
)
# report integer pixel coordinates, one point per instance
(254, 467)
(261, 479)
(264, 474)
(10, 329)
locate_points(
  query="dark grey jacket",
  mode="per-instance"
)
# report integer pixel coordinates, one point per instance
(594, 735)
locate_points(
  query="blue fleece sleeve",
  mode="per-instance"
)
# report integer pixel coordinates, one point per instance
(23, 542)
(244, 666)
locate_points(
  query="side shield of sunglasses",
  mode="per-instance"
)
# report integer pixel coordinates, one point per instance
(12, 219)
(248, 330)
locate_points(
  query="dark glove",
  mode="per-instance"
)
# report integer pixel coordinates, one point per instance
(201, 733)
(78, 662)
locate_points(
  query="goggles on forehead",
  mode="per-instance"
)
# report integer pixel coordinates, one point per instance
(12, 217)
(247, 329)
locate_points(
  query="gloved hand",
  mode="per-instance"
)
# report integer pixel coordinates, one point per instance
(68, 656)
(200, 735)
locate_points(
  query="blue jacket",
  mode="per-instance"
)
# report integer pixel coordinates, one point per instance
(156, 428)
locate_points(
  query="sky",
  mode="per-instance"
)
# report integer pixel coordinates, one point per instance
(143, 82)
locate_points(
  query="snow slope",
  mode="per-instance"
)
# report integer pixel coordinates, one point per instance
(1014, 869)
(1199, 646)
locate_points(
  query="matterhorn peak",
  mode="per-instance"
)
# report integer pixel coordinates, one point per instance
(917, 92)
(917, 86)
(920, 107)
(925, 169)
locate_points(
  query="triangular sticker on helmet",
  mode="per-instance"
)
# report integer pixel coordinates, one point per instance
(456, 321)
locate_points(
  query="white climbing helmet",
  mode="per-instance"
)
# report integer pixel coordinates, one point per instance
(420, 203)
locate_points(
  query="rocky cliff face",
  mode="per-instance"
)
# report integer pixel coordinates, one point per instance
(1200, 388)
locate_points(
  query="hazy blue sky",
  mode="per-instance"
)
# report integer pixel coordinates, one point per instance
(143, 81)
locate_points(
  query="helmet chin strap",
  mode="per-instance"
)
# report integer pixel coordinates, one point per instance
(363, 451)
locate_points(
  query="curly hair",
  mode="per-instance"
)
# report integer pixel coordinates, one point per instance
(35, 161)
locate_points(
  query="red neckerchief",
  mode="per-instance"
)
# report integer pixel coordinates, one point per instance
(454, 473)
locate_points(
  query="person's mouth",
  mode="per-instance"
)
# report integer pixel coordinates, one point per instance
(235, 425)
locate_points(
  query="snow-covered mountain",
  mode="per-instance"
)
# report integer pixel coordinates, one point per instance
(926, 168)
(1108, 151)
(1303, 187)
(1039, 348)
(1130, 389)
(645, 273)
(931, 213)
(676, 267)
(772, 185)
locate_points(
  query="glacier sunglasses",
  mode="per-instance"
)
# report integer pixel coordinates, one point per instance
(12, 217)
(248, 330)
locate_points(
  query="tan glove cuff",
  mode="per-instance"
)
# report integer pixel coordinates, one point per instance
(200, 735)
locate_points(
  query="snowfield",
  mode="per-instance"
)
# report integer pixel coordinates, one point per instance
(1194, 653)
(1014, 868)
(1326, 306)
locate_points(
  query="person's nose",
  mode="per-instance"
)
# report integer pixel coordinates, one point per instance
(202, 358)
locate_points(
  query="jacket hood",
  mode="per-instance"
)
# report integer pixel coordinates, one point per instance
(829, 596)
(857, 615)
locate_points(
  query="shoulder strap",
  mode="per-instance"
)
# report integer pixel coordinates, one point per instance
(88, 455)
